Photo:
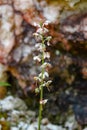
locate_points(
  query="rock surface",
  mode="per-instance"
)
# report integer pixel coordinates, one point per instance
(20, 117)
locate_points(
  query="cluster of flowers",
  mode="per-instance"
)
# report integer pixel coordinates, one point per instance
(42, 58)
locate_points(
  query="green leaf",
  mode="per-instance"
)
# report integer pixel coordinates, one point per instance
(4, 84)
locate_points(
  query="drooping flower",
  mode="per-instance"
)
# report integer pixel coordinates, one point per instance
(46, 65)
(48, 83)
(37, 79)
(40, 47)
(43, 102)
(37, 58)
(42, 30)
(46, 55)
(36, 25)
(44, 75)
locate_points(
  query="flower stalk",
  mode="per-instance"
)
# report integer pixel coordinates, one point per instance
(41, 89)
(42, 56)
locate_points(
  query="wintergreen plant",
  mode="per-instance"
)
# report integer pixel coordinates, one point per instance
(41, 79)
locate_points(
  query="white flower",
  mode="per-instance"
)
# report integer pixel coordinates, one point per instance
(42, 30)
(41, 75)
(46, 55)
(48, 43)
(35, 34)
(37, 58)
(37, 79)
(48, 38)
(45, 74)
(40, 47)
(36, 24)
(43, 102)
(46, 65)
(45, 30)
(48, 83)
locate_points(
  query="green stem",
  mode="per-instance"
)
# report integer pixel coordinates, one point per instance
(40, 115)
(41, 91)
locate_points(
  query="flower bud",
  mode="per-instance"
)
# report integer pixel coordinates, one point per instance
(37, 90)
(43, 102)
